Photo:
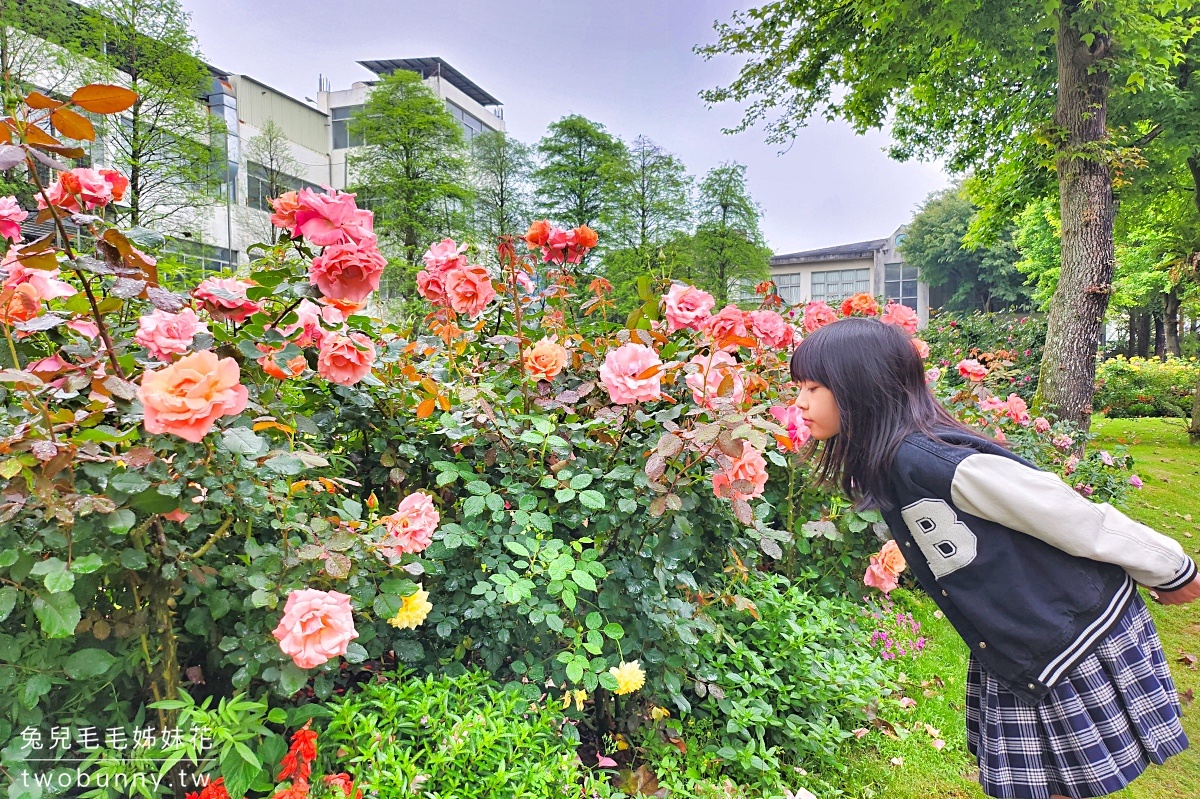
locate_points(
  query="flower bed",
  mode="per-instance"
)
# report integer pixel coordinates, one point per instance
(1146, 386)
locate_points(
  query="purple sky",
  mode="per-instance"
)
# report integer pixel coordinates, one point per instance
(627, 64)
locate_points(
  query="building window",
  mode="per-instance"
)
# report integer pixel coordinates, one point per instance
(258, 186)
(340, 122)
(199, 260)
(471, 124)
(839, 284)
(900, 284)
(789, 288)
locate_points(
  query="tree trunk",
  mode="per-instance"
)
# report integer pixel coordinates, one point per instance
(1171, 323)
(1160, 339)
(1143, 347)
(1131, 347)
(1068, 372)
(1194, 427)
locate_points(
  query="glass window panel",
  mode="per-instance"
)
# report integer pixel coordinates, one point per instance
(891, 272)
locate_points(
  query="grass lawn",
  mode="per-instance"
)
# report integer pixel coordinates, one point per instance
(910, 767)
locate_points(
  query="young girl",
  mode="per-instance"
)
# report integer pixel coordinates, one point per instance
(1068, 690)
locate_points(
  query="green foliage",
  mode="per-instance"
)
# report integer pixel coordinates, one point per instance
(1146, 387)
(458, 736)
(730, 253)
(580, 173)
(1011, 345)
(789, 678)
(501, 170)
(1037, 237)
(980, 278)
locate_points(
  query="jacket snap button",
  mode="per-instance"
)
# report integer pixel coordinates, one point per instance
(1032, 686)
(983, 645)
(908, 543)
(944, 592)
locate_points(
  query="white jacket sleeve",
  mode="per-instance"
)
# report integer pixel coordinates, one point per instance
(1040, 504)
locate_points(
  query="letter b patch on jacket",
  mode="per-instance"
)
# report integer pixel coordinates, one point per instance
(947, 543)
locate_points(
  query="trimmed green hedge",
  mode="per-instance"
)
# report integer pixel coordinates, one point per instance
(1146, 386)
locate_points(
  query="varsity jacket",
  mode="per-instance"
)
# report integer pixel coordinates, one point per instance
(1031, 574)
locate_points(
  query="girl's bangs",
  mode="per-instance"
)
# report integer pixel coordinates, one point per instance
(809, 362)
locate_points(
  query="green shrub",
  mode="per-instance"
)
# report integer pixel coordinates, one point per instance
(789, 685)
(1146, 386)
(1011, 346)
(440, 736)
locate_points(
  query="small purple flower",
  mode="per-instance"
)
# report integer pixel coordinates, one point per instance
(1135, 481)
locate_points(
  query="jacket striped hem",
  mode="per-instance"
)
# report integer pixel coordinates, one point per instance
(1091, 634)
(1183, 578)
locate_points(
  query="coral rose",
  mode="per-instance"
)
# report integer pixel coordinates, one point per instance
(294, 367)
(817, 314)
(792, 419)
(469, 289)
(632, 373)
(431, 284)
(1017, 410)
(47, 282)
(771, 329)
(921, 347)
(538, 233)
(863, 304)
(225, 299)
(729, 328)
(316, 626)
(166, 334)
(411, 527)
(716, 371)
(187, 397)
(349, 271)
(345, 360)
(327, 219)
(687, 307)
(117, 182)
(285, 207)
(886, 566)
(972, 370)
(336, 312)
(545, 360)
(585, 237)
(901, 316)
(749, 469)
(11, 217)
(19, 303)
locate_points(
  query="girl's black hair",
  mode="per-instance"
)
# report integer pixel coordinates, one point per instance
(878, 382)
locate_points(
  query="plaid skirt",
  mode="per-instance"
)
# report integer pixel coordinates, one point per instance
(1112, 715)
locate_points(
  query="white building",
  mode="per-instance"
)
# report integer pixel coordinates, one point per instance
(875, 267)
(320, 140)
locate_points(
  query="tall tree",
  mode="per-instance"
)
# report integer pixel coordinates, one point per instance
(269, 156)
(412, 169)
(982, 85)
(501, 171)
(579, 174)
(168, 144)
(729, 250)
(981, 278)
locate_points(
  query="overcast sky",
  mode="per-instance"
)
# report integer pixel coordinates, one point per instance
(627, 64)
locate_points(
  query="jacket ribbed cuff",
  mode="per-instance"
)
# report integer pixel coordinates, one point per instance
(1185, 576)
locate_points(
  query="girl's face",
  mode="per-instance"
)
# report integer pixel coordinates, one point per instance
(819, 410)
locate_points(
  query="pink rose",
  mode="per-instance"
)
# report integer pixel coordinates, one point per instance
(1062, 441)
(117, 183)
(46, 281)
(991, 403)
(93, 189)
(1017, 410)
(728, 328)
(901, 316)
(885, 569)
(431, 284)
(308, 319)
(225, 299)
(469, 289)
(632, 373)
(792, 418)
(327, 219)
(411, 527)
(771, 329)
(560, 247)
(316, 626)
(745, 478)
(817, 314)
(1135, 481)
(972, 370)
(59, 196)
(85, 327)
(187, 397)
(11, 217)
(345, 360)
(165, 334)
(1106, 458)
(1041, 424)
(686, 307)
(921, 347)
(1071, 465)
(932, 375)
(714, 370)
(285, 207)
(349, 271)
(444, 255)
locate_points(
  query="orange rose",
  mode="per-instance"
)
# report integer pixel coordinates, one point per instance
(187, 397)
(586, 237)
(891, 560)
(539, 233)
(864, 304)
(293, 368)
(19, 303)
(545, 360)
